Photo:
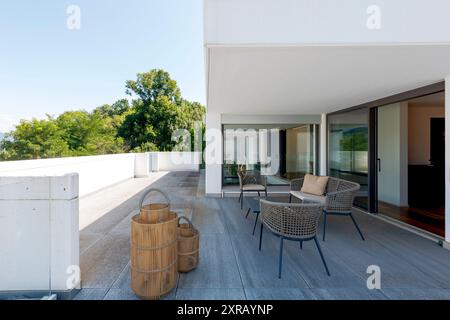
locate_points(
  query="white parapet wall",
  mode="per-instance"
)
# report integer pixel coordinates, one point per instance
(39, 212)
(39, 237)
(175, 161)
(98, 172)
(95, 173)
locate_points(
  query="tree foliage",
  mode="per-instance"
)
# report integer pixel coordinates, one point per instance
(146, 123)
(35, 139)
(158, 111)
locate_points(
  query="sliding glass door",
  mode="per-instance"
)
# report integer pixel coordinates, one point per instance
(250, 148)
(280, 152)
(301, 153)
(348, 144)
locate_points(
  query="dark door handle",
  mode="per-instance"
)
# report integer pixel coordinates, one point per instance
(379, 164)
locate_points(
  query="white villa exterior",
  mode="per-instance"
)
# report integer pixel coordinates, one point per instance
(354, 89)
(284, 62)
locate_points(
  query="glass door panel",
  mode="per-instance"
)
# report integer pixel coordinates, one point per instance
(348, 137)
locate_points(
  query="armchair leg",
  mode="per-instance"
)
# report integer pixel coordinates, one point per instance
(242, 200)
(240, 197)
(357, 227)
(301, 245)
(290, 198)
(280, 262)
(324, 224)
(321, 256)
(248, 212)
(260, 237)
(259, 194)
(256, 222)
(265, 191)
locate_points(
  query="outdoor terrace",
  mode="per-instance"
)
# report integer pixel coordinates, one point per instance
(231, 267)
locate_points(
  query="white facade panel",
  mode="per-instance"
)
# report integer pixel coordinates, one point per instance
(237, 22)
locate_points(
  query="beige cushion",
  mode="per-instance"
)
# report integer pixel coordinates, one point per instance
(253, 187)
(314, 185)
(307, 197)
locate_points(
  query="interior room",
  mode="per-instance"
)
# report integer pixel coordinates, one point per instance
(410, 163)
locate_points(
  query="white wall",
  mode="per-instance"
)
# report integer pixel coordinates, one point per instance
(98, 172)
(95, 173)
(39, 235)
(324, 21)
(177, 161)
(274, 119)
(393, 154)
(213, 154)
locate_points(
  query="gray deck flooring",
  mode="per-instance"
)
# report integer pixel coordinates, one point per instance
(231, 267)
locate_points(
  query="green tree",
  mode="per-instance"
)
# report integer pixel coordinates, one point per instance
(145, 124)
(158, 112)
(90, 133)
(152, 85)
(118, 108)
(35, 139)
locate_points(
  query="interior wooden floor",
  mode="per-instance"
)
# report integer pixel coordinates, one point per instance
(429, 219)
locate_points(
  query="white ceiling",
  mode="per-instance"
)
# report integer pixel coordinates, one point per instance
(317, 79)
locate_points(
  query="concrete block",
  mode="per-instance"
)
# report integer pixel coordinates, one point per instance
(64, 187)
(65, 241)
(39, 233)
(142, 165)
(24, 188)
(24, 245)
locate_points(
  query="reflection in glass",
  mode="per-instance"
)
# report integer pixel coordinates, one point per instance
(300, 151)
(348, 136)
(280, 153)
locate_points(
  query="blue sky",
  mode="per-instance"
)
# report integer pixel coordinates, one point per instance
(47, 68)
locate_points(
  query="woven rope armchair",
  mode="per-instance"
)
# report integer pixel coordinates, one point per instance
(289, 221)
(339, 198)
(251, 182)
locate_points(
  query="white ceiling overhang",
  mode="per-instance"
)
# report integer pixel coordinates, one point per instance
(314, 79)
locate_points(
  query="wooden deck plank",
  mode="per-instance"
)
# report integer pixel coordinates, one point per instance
(314, 294)
(260, 269)
(217, 268)
(231, 267)
(210, 294)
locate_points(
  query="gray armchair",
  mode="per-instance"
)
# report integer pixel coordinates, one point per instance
(338, 199)
(251, 182)
(294, 222)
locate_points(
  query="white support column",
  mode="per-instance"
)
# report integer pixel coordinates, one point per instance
(323, 145)
(213, 154)
(447, 163)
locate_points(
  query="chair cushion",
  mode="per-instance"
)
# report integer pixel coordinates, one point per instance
(307, 197)
(314, 185)
(253, 187)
